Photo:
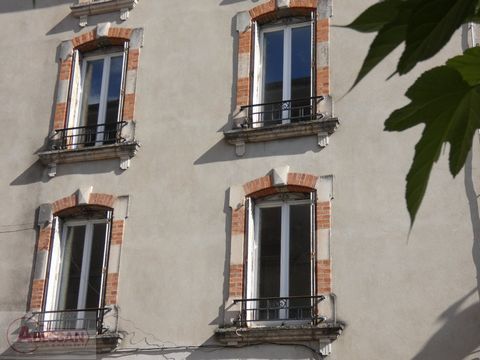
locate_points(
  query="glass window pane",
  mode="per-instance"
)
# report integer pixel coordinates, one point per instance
(113, 97)
(96, 266)
(270, 246)
(71, 268)
(92, 86)
(301, 73)
(273, 75)
(299, 260)
(269, 260)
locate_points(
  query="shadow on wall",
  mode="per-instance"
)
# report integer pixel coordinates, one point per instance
(222, 151)
(37, 172)
(7, 6)
(213, 351)
(459, 337)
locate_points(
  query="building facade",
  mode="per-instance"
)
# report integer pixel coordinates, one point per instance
(192, 179)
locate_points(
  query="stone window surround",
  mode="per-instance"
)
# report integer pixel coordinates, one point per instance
(278, 180)
(101, 34)
(264, 13)
(84, 196)
(84, 8)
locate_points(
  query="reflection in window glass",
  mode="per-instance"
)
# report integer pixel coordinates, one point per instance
(301, 73)
(101, 86)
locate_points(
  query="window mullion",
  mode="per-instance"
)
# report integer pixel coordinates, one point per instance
(54, 266)
(284, 251)
(313, 242)
(87, 252)
(284, 259)
(103, 102)
(126, 47)
(287, 65)
(105, 259)
(254, 265)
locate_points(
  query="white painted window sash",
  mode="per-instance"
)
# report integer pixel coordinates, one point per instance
(100, 135)
(57, 254)
(259, 67)
(253, 236)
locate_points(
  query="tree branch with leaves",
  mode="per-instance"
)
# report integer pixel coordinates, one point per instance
(446, 98)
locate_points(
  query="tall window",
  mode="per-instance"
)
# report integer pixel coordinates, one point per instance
(97, 93)
(283, 73)
(280, 265)
(77, 270)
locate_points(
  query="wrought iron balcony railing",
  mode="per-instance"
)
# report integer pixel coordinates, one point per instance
(87, 136)
(88, 320)
(284, 309)
(281, 112)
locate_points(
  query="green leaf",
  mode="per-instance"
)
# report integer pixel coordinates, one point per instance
(450, 109)
(376, 16)
(430, 27)
(468, 65)
(387, 40)
(465, 122)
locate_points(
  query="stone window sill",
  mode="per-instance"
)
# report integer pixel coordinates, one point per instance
(73, 342)
(84, 9)
(324, 332)
(123, 151)
(322, 128)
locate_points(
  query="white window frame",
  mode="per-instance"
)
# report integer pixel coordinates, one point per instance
(259, 64)
(56, 256)
(77, 90)
(253, 256)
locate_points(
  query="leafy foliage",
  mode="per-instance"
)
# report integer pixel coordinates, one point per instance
(446, 99)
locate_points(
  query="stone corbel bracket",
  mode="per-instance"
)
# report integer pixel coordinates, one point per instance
(85, 8)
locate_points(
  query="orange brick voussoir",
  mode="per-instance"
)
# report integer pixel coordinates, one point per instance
(304, 4)
(120, 33)
(64, 203)
(262, 10)
(258, 184)
(301, 179)
(83, 39)
(106, 200)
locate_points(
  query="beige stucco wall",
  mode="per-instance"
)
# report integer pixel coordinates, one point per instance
(401, 297)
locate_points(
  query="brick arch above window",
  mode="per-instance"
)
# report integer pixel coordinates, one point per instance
(271, 9)
(68, 202)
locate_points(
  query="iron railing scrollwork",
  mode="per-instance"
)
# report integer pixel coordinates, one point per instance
(284, 309)
(87, 136)
(88, 320)
(281, 112)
